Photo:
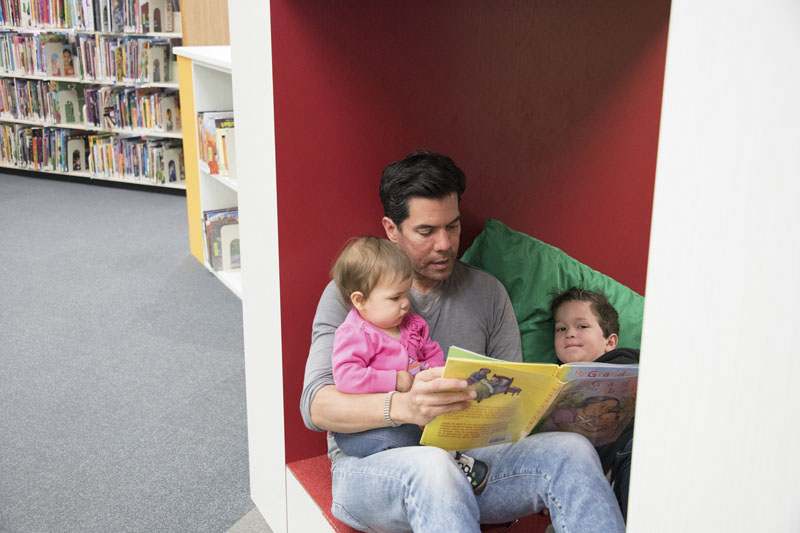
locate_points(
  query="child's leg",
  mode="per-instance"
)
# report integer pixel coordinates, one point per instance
(366, 443)
(620, 477)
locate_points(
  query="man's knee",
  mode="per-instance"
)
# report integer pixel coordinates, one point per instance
(569, 451)
(438, 468)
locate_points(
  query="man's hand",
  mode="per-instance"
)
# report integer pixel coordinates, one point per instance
(430, 395)
(404, 381)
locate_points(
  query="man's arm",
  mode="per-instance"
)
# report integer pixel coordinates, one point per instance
(430, 396)
(325, 408)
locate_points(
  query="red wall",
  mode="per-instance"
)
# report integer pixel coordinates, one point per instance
(551, 108)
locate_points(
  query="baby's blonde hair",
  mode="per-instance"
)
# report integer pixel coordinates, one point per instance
(364, 262)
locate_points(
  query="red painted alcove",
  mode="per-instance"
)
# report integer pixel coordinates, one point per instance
(551, 109)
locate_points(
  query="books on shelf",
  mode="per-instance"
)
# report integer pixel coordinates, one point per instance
(47, 149)
(132, 158)
(83, 100)
(513, 399)
(221, 230)
(111, 108)
(88, 57)
(133, 16)
(216, 142)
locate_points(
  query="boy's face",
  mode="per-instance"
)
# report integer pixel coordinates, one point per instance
(579, 337)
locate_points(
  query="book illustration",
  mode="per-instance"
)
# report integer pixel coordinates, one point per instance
(515, 399)
(173, 159)
(69, 66)
(486, 387)
(207, 137)
(225, 146)
(77, 153)
(156, 62)
(117, 16)
(213, 222)
(169, 113)
(70, 103)
(54, 57)
(229, 246)
(598, 417)
(158, 12)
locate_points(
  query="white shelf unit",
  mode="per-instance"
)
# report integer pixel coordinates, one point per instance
(213, 91)
(7, 118)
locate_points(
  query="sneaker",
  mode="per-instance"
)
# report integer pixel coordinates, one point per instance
(477, 472)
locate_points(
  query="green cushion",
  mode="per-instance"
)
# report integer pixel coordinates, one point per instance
(534, 273)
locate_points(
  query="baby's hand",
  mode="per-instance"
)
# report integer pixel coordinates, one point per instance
(404, 381)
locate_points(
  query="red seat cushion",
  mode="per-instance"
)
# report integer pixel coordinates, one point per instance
(315, 476)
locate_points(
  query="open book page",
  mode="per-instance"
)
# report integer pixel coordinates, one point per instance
(511, 397)
(597, 402)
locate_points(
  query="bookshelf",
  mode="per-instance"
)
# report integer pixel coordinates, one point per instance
(91, 91)
(206, 85)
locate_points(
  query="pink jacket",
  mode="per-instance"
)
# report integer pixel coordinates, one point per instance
(366, 359)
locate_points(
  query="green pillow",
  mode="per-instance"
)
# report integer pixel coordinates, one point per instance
(534, 273)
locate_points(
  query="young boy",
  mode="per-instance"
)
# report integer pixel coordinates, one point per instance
(587, 330)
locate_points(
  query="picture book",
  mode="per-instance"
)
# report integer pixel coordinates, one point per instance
(68, 56)
(53, 52)
(158, 15)
(514, 399)
(77, 155)
(225, 147)
(70, 103)
(207, 138)
(173, 164)
(157, 63)
(222, 250)
(170, 119)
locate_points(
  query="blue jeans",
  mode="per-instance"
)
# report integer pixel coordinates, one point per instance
(376, 440)
(422, 489)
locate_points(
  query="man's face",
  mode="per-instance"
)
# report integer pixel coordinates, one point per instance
(429, 237)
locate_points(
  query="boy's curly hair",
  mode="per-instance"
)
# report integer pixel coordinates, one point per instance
(606, 315)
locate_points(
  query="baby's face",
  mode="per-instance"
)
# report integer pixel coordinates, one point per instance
(387, 304)
(579, 337)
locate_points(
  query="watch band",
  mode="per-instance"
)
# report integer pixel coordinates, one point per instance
(387, 406)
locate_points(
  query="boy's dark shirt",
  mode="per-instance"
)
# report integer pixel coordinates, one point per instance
(607, 452)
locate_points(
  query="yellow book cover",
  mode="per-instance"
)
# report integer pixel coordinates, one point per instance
(515, 399)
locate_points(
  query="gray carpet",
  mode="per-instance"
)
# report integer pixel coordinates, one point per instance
(122, 404)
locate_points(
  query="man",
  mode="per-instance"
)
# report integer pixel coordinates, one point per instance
(420, 488)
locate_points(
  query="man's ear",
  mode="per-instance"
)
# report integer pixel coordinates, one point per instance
(611, 342)
(357, 298)
(392, 230)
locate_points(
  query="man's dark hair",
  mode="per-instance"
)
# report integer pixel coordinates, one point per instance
(418, 175)
(606, 315)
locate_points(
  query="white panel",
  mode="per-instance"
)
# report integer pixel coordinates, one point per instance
(304, 513)
(251, 59)
(716, 443)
